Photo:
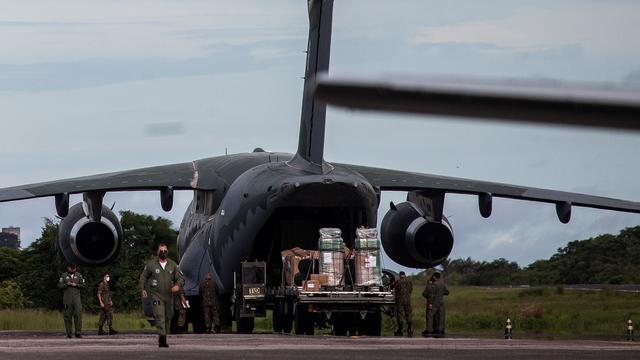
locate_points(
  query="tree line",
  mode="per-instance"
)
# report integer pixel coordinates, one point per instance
(604, 259)
(28, 277)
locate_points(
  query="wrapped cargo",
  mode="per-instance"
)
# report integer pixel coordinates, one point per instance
(331, 248)
(367, 248)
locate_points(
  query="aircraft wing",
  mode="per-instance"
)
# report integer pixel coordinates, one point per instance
(177, 176)
(395, 180)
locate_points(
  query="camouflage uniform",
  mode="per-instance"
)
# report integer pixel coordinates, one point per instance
(71, 301)
(403, 290)
(182, 312)
(106, 314)
(160, 283)
(209, 292)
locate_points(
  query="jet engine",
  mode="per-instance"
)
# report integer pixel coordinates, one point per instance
(414, 240)
(88, 242)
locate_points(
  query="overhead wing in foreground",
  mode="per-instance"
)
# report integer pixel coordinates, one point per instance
(549, 102)
(395, 180)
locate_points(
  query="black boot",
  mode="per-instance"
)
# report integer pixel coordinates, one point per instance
(100, 331)
(162, 341)
(112, 331)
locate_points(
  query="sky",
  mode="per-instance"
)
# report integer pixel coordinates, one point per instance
(88, 87)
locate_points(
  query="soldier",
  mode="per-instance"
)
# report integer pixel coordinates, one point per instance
(428, 294)
(106, 303)
(403, 290)
(165, 280)
(209, 292)
(71, 282)
(437, 306)
(180, 303)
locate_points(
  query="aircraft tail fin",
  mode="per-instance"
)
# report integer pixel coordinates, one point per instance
(312, 122)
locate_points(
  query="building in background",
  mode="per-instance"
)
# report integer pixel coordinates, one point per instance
(10, 237)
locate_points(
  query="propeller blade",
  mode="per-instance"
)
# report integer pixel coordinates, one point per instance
(549, 102)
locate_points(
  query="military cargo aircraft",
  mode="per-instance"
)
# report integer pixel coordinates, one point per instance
(254, 205)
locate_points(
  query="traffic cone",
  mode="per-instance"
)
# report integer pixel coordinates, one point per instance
(629, 330)
(508, 330)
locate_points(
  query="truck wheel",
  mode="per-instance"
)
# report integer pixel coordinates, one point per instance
(277, 322)
(244, 325)
(339, 327)
(287, 324)
(282, 323)
(372, 324)
(304, 321)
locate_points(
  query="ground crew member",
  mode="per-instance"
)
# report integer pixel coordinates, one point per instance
(165, 279)
(180, 303)
(106, 304)
(209, 293)
(71, 282)
(428, 294)
(403, 290)
(436, 308)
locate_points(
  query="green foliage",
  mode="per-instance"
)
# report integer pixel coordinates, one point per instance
(574, 313)
(37, 319)
(605, 259)
(36, 270)
(11, 296)
(10, 263)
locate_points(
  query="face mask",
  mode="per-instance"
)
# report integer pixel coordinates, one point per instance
(162, 255)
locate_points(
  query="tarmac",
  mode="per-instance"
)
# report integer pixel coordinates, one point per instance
(36, 346)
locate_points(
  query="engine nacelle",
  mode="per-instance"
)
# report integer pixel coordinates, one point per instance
(413, 240)
(85, 242)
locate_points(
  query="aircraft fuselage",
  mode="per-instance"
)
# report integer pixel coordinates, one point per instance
(268, 208)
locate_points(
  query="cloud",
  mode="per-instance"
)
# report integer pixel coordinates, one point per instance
(594, 28)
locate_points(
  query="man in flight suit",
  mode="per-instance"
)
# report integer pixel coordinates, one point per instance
(403, 290)
(209, 293)
(71, 282)
(165, 280)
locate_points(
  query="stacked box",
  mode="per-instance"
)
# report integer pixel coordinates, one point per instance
(367, 248)
(331, 247)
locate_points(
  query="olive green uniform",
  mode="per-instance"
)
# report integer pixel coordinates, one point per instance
(209, 293)
(106, 313)
(429, 293)
(160, 283)
(71, 301)
(403, 290)
(434, 293)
